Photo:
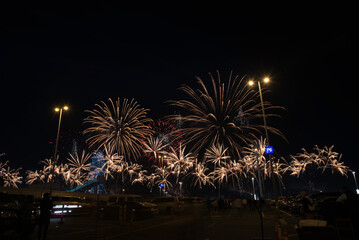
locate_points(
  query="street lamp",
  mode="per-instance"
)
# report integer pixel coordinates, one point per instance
(180, 183)
(259, 174)
(356, 184)
(254, 192)
(260, 192)
(56, 145)
(251, 83)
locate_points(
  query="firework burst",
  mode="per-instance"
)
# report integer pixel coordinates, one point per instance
(154, 146)
(179, 162)
(120, 125)
(324, 158)
(113, 162)
(216, 154)
(10, 177)
(162, 175)
(200, 176)
(79, 164)
(212, 116)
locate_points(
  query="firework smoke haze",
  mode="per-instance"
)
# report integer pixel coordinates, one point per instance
(211, 116)
(122, 126)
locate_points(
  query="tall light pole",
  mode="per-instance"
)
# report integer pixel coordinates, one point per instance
(60, 110)
(254, 192)
(180, 183)
(260, 192)
(266, 80)
(356, 184)
(259, 173)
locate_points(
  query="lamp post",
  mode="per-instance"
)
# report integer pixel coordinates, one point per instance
(266, 80)
(356, 184)
(60, 110)
(259, 174)
(254, 192)
(180, 183)
(260, 192)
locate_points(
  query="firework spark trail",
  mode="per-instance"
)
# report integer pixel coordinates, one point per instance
(113, 162)
(213, 116)
(154, 146)
(220, 174)
(122, 126)
(162, 177)
(132, 170)
(151, 180)
(324, 159)
(236, 170)
(10, 177)
(251, 153)
(179, 162)
(141, 177)
(216, 154)
(79, 164)
(280, 167)
(48, 164)
(200, 178)
(61, 172)
(32, 176)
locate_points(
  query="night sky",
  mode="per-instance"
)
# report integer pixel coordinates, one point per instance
(80, 55)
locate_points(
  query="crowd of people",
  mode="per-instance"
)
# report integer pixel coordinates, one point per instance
(31, 216)
(222, 204)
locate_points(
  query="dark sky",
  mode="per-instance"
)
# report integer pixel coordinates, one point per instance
(80, 55)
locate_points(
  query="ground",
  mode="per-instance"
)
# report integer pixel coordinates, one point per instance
(193, 223)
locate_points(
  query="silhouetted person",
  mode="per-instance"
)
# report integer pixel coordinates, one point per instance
(307, 206)
(350, 207)
(45, 214)
(349, 201)
(25, 217)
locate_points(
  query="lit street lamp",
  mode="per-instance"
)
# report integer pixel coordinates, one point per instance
(56, 145)
(180, 183)
(251, 83)
(356, 184)
(254, 192)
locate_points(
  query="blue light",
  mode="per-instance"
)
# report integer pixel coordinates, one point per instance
(269, 149)
(162, 185)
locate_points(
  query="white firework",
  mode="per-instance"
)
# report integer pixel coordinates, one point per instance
(179, 162)
(220, 174)
(48, 165)
(151, 180)
(323, 159)
(236, 170)
(113, 162)
(11, 177)
(162, 177)
(338, 166)
(154, 146)
(141, 177)
(216, 154)
(253, 153)
(79, 164)
(132, 170)
(200, 177)
(32, 176)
